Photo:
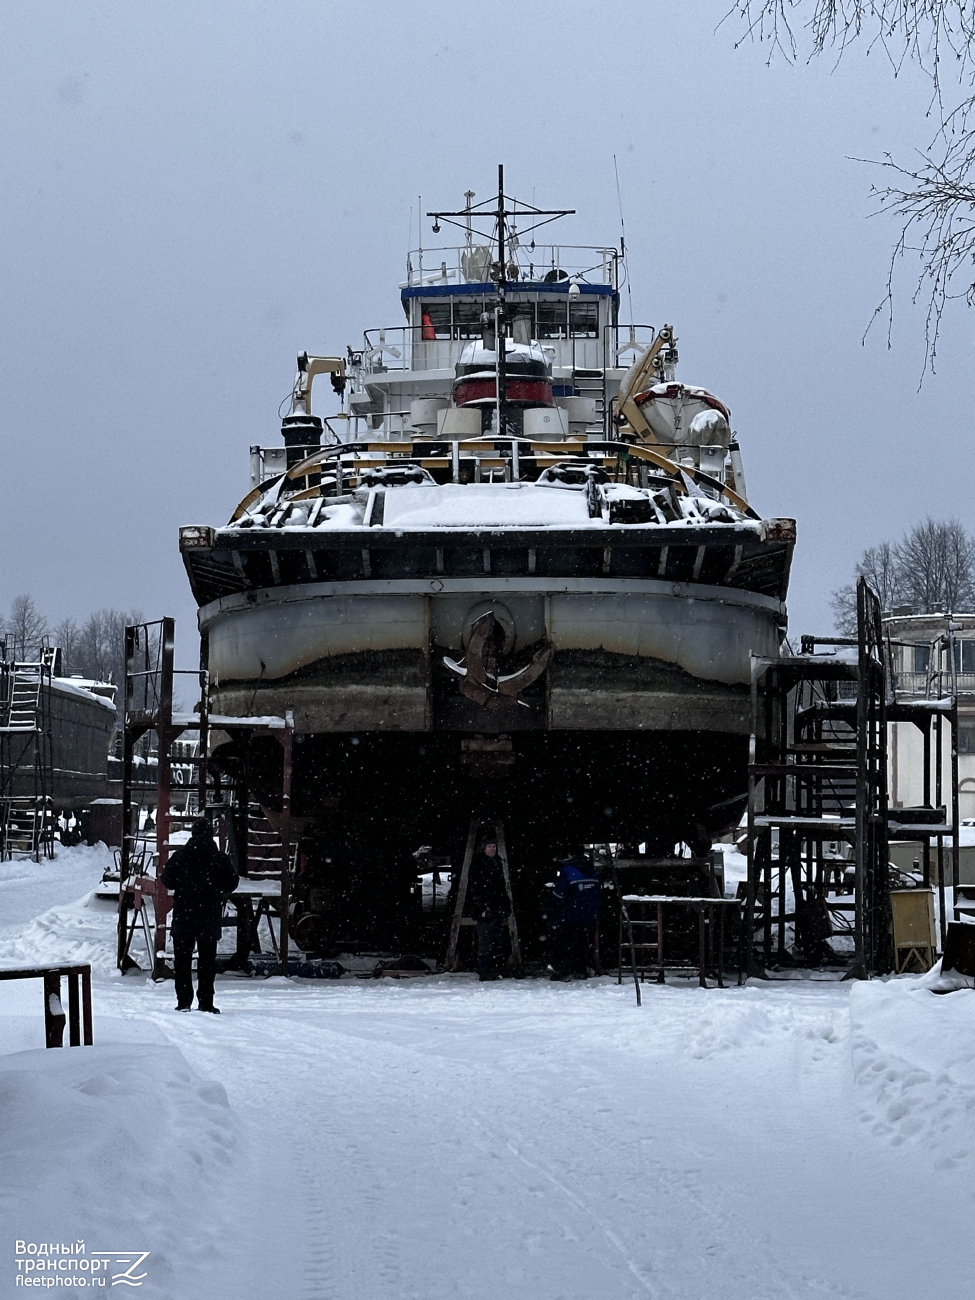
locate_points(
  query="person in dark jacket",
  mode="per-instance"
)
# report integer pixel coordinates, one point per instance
(488, 903)
(202, 879)
(579, 900)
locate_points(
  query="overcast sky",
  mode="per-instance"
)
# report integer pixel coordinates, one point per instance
(194, 192)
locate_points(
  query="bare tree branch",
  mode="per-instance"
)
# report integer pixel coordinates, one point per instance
(65, 638)
(930, 33)
(934, 201)
(935, 204)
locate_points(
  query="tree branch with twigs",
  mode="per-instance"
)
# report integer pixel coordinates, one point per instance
(934, 201)
(935, 204)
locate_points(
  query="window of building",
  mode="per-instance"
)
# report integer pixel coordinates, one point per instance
(965, 656)
(584, 318)
(922, 657)
(966, 737)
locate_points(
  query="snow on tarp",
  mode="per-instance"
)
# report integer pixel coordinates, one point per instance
(65, 686)
(221, 721)
(485, 505)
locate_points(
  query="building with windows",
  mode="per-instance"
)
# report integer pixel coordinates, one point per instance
(935, 655)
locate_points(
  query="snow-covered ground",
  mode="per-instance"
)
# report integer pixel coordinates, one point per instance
(435, 1138)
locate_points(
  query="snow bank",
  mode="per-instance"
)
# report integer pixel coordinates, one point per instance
(121, 1146)
(27, 888)
(913, 1059)
(82, 931)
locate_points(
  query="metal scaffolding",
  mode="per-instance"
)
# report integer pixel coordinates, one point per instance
(149, 682)
(819, 820)
(817, 781)
(26, 762)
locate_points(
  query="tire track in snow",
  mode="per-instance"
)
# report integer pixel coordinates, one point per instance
(677, 1273)
(358, 1118)
(330, 1264)
(319, 1261)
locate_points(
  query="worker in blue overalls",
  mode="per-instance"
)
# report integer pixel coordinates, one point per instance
(579, 904)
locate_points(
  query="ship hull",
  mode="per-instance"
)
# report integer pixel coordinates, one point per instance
(635, 731)
(629, 656)
(81, 727)
(648, 634)
(554, 789)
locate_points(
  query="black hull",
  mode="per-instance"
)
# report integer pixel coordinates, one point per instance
(81, 730)
(567, 787)
(366, 804)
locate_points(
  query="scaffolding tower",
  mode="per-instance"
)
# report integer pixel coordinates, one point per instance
(817, 782)
(819, 819)
(149, 709)
(934, 824)
(26, 758)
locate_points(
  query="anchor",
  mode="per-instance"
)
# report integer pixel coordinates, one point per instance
(479, 679)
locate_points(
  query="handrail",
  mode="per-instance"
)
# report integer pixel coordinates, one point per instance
(569, 449)
(430, 266)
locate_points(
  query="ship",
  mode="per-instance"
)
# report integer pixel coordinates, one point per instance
(517, 572)
(56, 733)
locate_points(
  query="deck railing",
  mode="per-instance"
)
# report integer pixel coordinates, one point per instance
(471, 265)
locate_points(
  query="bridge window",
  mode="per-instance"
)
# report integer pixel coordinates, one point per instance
(467, 319)
(553, 320)
(435, 316)
(584, 318)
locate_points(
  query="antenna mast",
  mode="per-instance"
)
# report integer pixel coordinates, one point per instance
(501, 316)
(464, 219)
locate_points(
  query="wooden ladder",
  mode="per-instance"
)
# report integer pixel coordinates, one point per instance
(459, 919)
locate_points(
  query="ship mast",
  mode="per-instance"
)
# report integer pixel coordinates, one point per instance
(499, 268)
(501, 319)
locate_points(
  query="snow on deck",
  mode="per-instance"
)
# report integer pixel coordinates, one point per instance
(439, 1138)
(486, 505)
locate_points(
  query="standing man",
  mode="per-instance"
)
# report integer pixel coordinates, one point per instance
(580, 901)
(202, 879)
(490, 906)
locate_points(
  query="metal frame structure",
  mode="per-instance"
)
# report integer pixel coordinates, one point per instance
(930, 822)
(78, 1018)
(149, 681)
(818, 776)
(26, 818)
(680, 884)
(452, 960)
(644, 914)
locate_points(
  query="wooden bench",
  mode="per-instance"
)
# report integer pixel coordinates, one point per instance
(79, 1008)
